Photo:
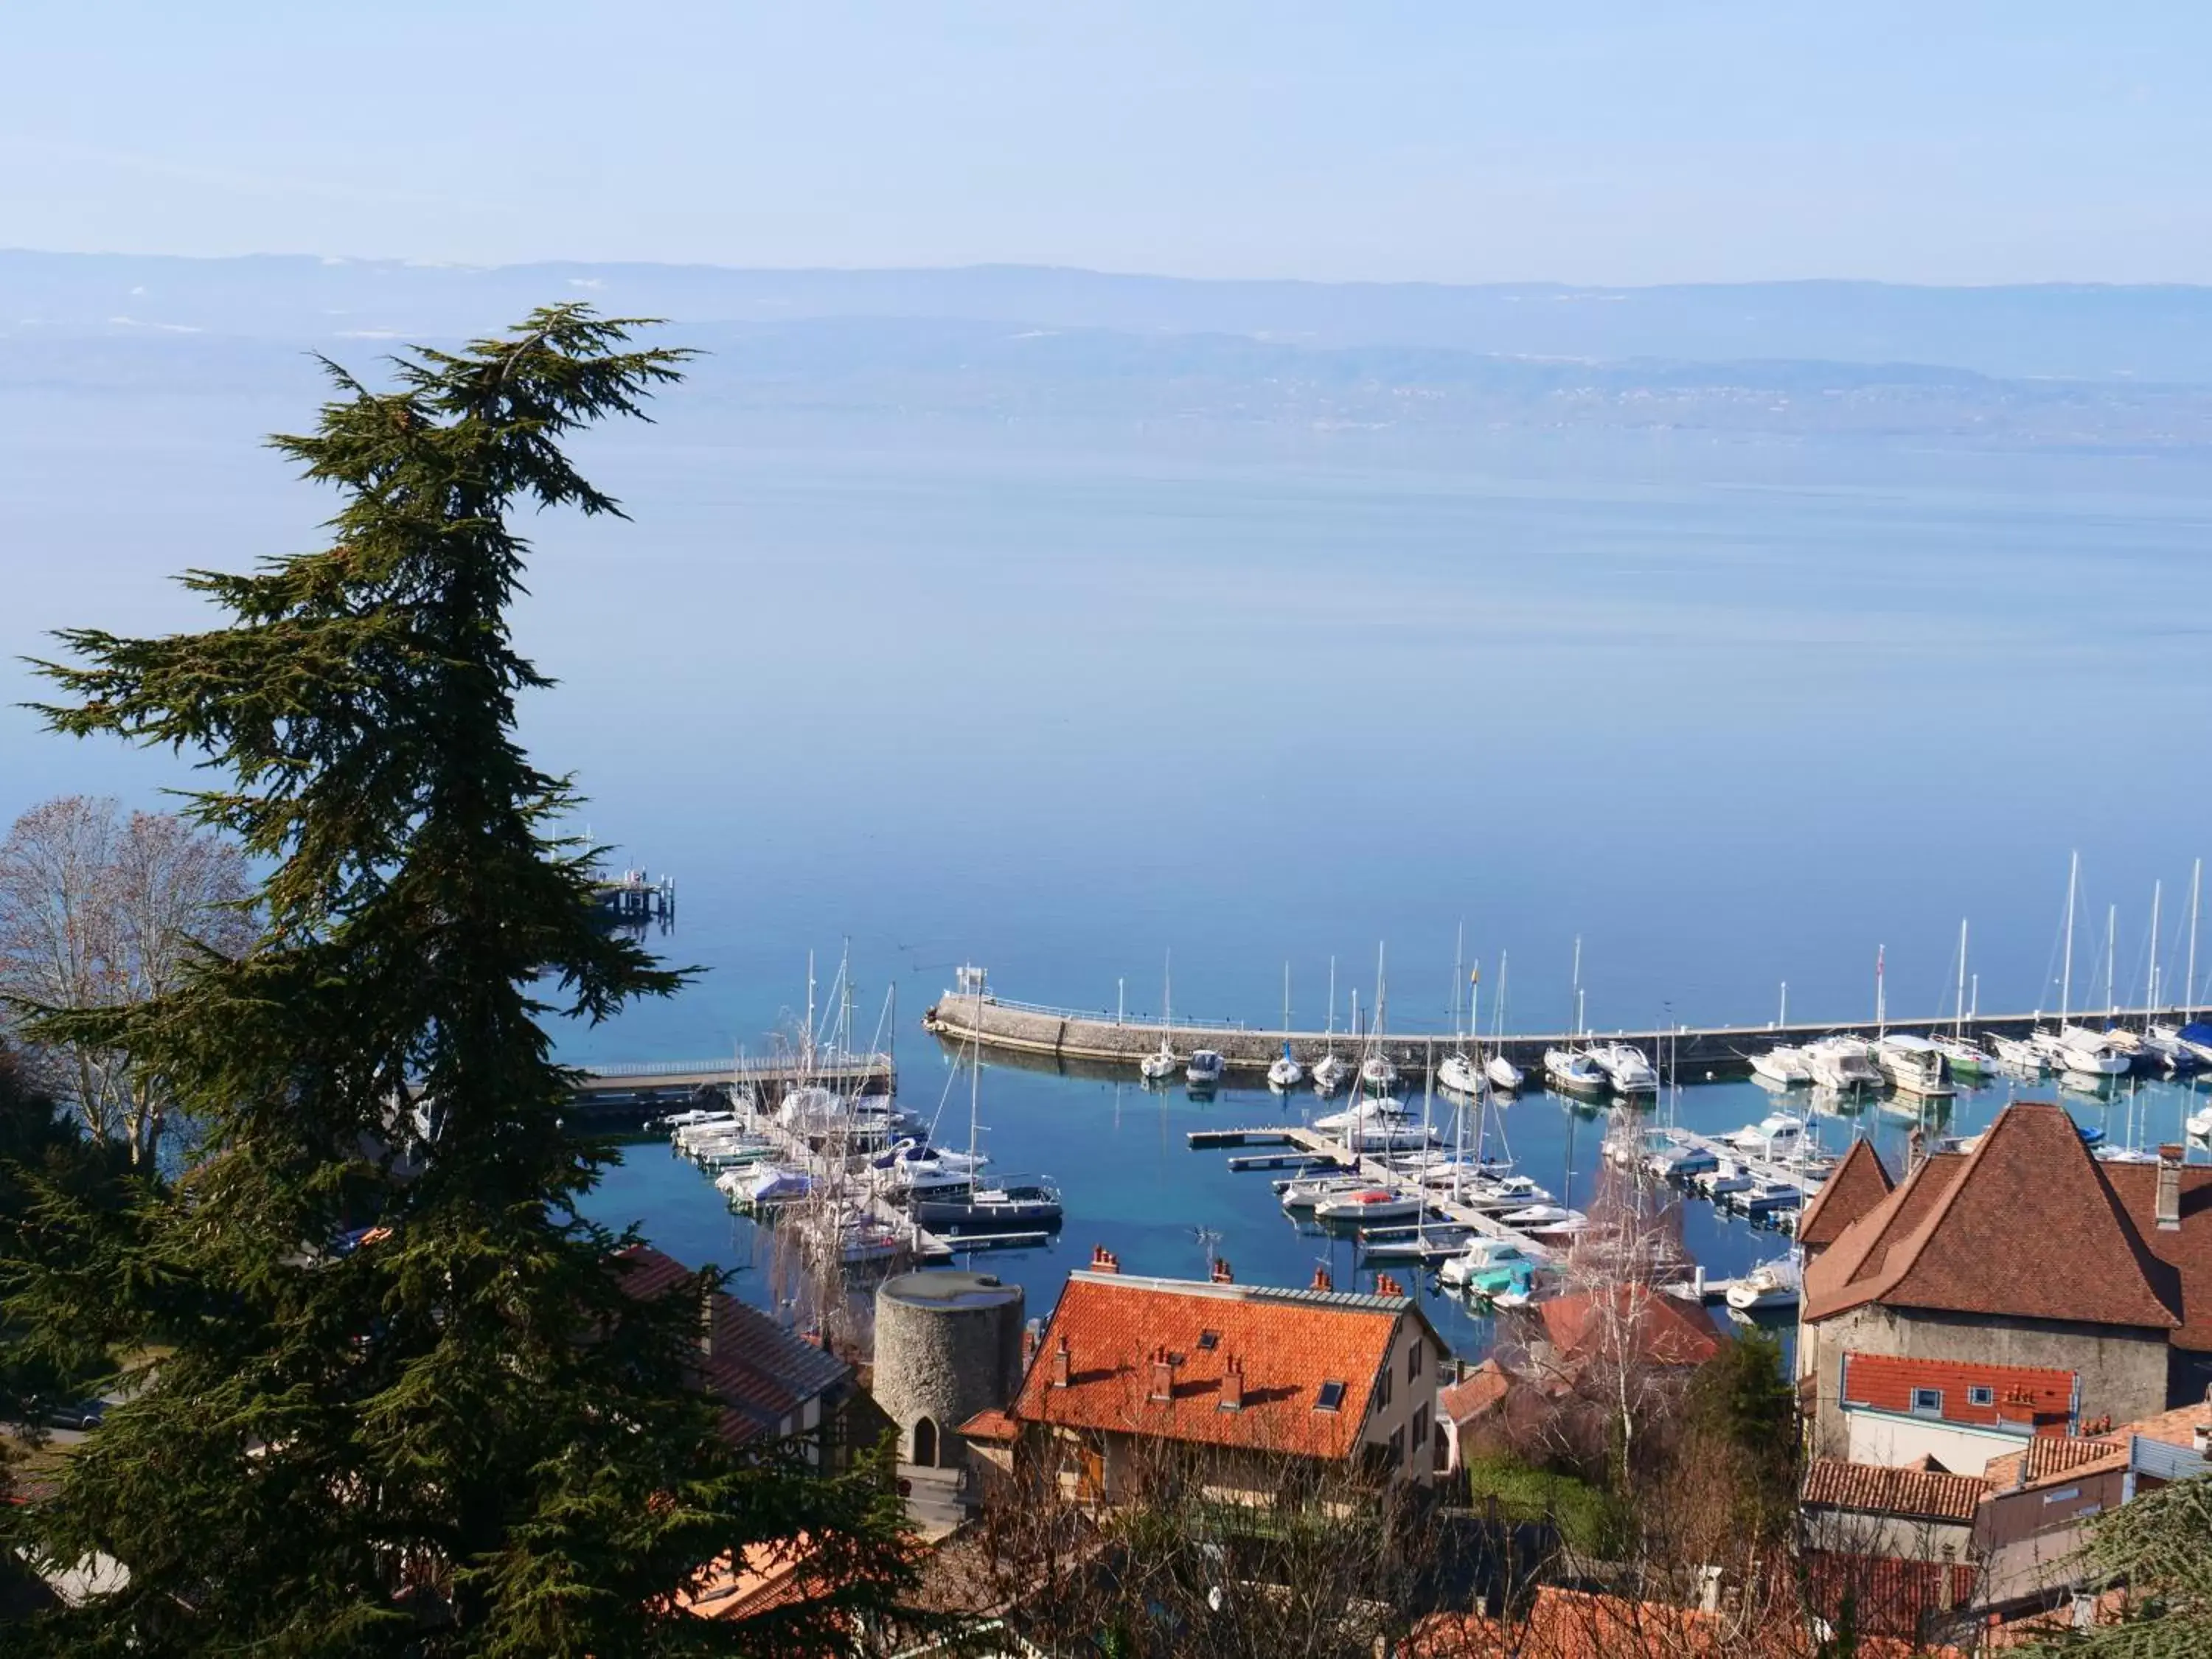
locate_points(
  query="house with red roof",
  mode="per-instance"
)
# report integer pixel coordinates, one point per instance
(1250, 1383)
(2022, 1255)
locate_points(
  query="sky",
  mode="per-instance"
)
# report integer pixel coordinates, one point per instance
(1457, 141)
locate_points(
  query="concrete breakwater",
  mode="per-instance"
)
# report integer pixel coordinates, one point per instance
(1687, 1054)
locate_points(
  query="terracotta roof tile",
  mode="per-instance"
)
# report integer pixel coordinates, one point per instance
(992, 1425)
(1831, 1483)
(2022, 1227)
(1474, 1394)
(1857, 1185)
(1889, 1596)
(1659, 1330)
(1289, 1344)
(2022, 1395)
(2187, 1249)
(1566, 1624)
(2050, 1461)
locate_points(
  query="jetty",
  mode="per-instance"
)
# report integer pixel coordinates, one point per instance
(644, 1088)
(1683, 1053)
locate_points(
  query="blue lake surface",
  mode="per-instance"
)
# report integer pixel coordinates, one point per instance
(1729, 714)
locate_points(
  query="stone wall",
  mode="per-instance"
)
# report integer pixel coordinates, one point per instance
(948, 1345)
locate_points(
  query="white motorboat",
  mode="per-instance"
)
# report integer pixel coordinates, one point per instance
(1626, 1068)
(1461, 1075)
(1369, 1205)
(2165, 1046)
(1536, 1217)
(1367, 1112)
(2090, 1054)
(2022, 1054)
(1844, 1062)
(2200, 1123)
(1503, 1074)
(1914, 1064)
(698, 1116)
(779, 1184)
(1777, 1137)
(1330, 1073)
(1762, 1197)
(1483, 1255)
(1206, 1068)
(1284, 1074)
(1783, 1066)
(1771, 1284)
(1573, 1070)
(1305, 1194)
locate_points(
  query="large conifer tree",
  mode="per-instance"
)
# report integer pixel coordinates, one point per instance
(463, 1438)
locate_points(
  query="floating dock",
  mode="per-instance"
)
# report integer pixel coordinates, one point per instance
(641, 1088)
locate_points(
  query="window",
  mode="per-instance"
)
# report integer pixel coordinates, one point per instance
(2063, 1495)
(1382, 1389)
(1928, 1402)
(1420, 1437)
(1209, 1341)
(1413, 1361)
(1981, 1394)
(1331, 1397)
(1397, 1447)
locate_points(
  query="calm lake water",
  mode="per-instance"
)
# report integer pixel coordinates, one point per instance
(1729, 715)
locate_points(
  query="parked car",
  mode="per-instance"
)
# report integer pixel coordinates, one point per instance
(84, 1414)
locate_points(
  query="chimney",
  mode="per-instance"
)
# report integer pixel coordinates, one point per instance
(1163, 1376)
(2200, 1438)
(2168, 1213)
(1060, 1364)
(1321, 1280)
(1233, 1385)
(1385, 1286)
(1221, 1274)
(1032, 1334)
(1103, 1261)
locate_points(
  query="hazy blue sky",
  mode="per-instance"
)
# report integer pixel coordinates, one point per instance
(1455, 141)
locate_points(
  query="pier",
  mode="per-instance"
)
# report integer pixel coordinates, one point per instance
(643, 1089)
(1685, 1053)
(632, 899)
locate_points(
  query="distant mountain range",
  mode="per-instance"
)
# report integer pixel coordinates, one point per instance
(2076, 366)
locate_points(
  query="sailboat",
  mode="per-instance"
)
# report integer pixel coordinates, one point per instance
(1461, 1075)
(1502, 1073)
(997, 1205)
(1962, 1057)
(1331, 1071)
(1285, 1074)
(1378, 1072)
(1159, 1066)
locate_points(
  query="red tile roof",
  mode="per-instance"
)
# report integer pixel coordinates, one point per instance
(1474, 1394)
(1647, 1325)
(762, 1373)
(1565, 1623)
(1888, 1596)
(1288, 1344)
(992, 1425)
(2022, 1227)
(1922, 1494)
(1857, 1184)
(2049, 1461)
(2187, 1249)
(2024, 1395)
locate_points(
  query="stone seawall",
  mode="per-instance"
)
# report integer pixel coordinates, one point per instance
(1688, 1055)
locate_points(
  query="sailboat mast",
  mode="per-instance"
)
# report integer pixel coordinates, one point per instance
(2066, 983)
(1331, 1005)
(1576, 1010)
(2189, 991)
(1961, 1008)
(2157, 893)
(1459, 966)
(1881, 1007)
(1782, 1018)
(2111, 961)
(1498, 1013)
(1286, 1002)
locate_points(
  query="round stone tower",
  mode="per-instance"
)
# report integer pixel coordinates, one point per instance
(948, 1345)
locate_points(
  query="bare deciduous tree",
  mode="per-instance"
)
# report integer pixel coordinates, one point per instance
(98, 910)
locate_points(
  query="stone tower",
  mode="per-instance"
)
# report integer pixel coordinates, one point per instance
(948, 1345)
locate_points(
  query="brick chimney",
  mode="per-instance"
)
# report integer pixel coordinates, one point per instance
(1385, 1286)
(1060, 1363)
(1321, 1280)
(1163, 1376)
(1233, 1385)
(2168, 1210)
(1103, 1261)
(1221, 1274)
